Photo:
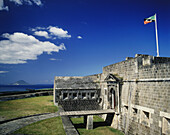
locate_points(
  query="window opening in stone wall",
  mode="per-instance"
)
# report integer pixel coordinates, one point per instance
(74, 95)
(165, 126)
(145, 119)
(146, 114)
(93, 95)
(126, 108)
(65, 96)
(84, 95)
(134, 113)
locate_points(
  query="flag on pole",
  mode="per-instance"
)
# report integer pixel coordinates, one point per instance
(149, 20)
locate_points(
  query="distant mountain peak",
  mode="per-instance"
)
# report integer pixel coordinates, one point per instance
(20, 82)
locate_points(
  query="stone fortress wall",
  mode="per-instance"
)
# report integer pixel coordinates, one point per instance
(145, 95)
(138, 89)
(77, 93)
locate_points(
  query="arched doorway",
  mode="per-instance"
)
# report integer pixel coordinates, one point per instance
(113, 98)
(113, 86)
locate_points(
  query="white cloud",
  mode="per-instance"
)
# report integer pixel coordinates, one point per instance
(42, 34)
(20, 47)
(2, 72)
(53, 59)
(38, 28)
(20, 2)
(28, 2)
(2, 7)
(59, 32)
(53, 32)
(79, 37)
(37, 2)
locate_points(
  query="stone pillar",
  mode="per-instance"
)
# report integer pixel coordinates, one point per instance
(115, 122)
(89, 122)
(113, 100)
(118, 100)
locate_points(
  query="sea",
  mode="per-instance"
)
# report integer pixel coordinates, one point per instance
(17, 88)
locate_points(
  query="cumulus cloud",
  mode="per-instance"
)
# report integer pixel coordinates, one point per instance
(53, 31)
(59, 32)
(2, 7)
(2, 72)
(20, 2)
(79, 37)
(42, 34)
(38, 28)
(28, 2)
(20, 47)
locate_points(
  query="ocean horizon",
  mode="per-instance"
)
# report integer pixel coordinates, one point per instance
(16, 88)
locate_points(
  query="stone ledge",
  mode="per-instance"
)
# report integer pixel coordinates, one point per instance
(90, 112)
(165, 114)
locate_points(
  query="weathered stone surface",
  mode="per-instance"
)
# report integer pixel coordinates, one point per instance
(144, 94)
(140, 100)
(94, 112)
(77, 93)
(76, 83)
(67, 124)
(89, 122)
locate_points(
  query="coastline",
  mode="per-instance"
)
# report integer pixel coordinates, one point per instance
(23, 88)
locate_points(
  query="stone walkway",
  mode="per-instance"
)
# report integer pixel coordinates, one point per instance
(87, 112)
(11, 126)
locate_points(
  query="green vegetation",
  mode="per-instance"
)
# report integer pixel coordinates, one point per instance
(100, 130)
(52, 126)
(81, 119)
(25, 107)
(106, 130)
(45, 89)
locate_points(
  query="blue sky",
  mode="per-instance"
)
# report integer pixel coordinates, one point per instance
(41, 39)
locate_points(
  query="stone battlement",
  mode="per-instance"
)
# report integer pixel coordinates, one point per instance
(137, 89)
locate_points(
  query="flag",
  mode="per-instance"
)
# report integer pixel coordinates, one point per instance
(149, 20)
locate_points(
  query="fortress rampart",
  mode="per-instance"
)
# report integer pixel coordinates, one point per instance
(138, 89)
(144, 95)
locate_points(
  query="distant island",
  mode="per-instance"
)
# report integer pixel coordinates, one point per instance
(20, 82)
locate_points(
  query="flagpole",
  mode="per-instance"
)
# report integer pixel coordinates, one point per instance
(156, 36)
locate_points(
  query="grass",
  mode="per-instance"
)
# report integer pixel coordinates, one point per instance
(100, 131)
(100, 127)
(45, 89)
(81, 119)
(25, 107)
(52, 126)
